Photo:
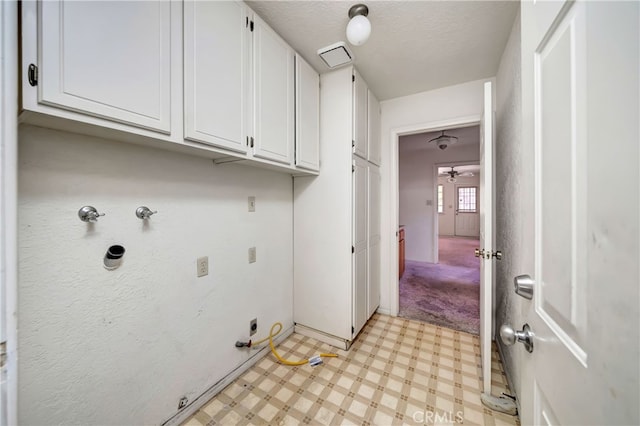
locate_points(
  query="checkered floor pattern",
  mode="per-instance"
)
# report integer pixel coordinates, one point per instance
(398, 371)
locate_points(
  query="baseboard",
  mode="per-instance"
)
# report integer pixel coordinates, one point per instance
(201, 400)
(384, 311)
(507, 374)
(323, 337)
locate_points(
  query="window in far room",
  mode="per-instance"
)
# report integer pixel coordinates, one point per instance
(440, 199)
(467, 199)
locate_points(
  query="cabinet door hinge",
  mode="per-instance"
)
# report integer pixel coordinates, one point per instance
(32, 75)
(353, 329)
(353, 78)
(353, 143)
(353, 249)
(3, 354)
(251, 26)
(246, 22)
(353, 169)
(251, 139)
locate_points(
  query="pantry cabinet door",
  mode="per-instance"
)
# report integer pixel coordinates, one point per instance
(360, 107)
(373, 135)
(217, 69)
(108, 59)
(360, 258)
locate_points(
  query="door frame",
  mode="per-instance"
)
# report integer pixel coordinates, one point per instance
(8, 208)
(394, 193)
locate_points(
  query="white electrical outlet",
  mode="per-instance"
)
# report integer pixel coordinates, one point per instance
(203, 266)
(252, 204)
(252, 255)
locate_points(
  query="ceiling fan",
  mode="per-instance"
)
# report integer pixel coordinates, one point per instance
(443, 141)
(454, 173)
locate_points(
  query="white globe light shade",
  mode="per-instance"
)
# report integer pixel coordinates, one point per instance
(358, 30)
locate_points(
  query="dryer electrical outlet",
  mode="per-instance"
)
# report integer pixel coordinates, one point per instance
(203, 266)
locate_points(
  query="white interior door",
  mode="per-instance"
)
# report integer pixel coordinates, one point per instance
(8, 211)
(486, 235)
(467, 216)
(582, 88)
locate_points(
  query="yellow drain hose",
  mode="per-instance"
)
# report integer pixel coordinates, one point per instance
(273, 334)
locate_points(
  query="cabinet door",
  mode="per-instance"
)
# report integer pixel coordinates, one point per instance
(307, 116)
(360, 147)
(273, 96)
(217, 73)
(360, 249)
(373, 125)
(108, 59)
(374, 238)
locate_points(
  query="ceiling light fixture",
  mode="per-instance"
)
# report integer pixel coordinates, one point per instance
(359, 27)
(443, 141)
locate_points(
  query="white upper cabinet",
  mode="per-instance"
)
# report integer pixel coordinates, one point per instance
(273, 95)
(217, 55)
(373, 124)
(360, 105)
(208, 76)
(108, 59)
(307, 116)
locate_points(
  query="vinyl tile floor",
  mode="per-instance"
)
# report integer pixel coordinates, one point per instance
(398, 371)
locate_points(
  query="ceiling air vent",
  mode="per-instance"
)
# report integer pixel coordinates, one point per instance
(336, 55)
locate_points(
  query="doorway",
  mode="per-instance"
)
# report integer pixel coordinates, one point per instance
(441, 280)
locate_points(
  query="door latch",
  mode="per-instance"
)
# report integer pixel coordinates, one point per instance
(487, 254)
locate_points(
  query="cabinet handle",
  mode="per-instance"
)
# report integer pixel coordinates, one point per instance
(32, 75)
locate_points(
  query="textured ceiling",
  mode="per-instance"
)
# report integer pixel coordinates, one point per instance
(414, 45)
(466, 136)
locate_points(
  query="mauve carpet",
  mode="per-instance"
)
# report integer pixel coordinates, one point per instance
(445, 293)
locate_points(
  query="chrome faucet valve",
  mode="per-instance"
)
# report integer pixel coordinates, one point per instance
(89, 214)
(144, 213)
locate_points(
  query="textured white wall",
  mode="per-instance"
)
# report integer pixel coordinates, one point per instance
(416, 186)
(446, 220)
(514, 199)
(449, 103)
(121, 347)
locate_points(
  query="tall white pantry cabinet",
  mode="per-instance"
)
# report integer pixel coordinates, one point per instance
(337, 216)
